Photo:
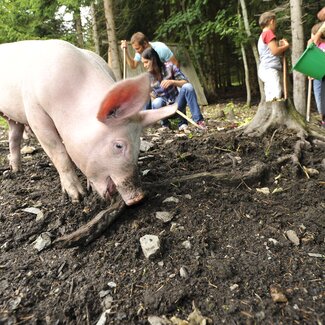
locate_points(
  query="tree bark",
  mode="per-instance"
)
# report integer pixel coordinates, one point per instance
(253, 45)
(247, 83)
(299, 80)
(113, 60)
(276, 114)
(78, 26)
(94, 27)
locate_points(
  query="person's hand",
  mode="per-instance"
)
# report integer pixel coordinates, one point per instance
(124, 44)
(316, 38)
(166, 83)
(283, 42)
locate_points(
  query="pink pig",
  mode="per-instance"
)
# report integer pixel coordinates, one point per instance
(79, 114)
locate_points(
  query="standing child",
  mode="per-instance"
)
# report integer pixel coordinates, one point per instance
(319, 85)
(269, 51)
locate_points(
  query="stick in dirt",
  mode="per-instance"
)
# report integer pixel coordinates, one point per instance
(308, 99)
(124, 63)
(285, 89)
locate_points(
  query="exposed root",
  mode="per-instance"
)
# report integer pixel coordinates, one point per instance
(93, 229)
(250, 177)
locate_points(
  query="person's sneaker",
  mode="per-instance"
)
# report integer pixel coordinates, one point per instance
(183, 127)
(201, 124)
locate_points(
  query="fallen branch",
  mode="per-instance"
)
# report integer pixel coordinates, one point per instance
(93, 229)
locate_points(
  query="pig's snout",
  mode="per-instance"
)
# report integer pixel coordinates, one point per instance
(135, 199)
(130, 189)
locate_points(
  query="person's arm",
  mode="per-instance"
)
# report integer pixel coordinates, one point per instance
(130, 61)
(173, 60)
(316, 38)
(278, 49)
(171, 82)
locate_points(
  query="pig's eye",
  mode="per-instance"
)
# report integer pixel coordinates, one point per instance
(118, 146)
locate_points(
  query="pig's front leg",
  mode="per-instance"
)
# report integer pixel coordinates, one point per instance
(15, 135)
(44, 129)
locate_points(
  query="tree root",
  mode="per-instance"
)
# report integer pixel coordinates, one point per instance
(93, 229)
(250, 177)
(273, 115)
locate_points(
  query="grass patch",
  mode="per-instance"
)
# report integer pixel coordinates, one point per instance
(3, 123)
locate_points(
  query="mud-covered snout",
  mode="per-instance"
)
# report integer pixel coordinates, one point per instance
(130, 189)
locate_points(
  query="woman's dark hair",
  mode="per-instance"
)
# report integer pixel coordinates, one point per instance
(150, 54)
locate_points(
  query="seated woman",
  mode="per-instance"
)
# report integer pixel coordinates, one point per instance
(166, 78)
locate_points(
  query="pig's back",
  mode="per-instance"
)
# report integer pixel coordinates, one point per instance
(51, 72)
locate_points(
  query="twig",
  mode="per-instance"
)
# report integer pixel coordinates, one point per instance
(188, 119)
(71, 289)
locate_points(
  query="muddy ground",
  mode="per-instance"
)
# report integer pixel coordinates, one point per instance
(227, 249)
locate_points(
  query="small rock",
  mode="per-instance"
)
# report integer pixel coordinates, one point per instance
(155, 320)
(146, 145)
(103, 293)
(274, 241)
(234, 287)
(176, 227)
(277, 295)
(171, 199)
(183, 272)
(111, 284)
(187, 244)
(150, 245)
(27, 150)
(188, 196)
(107, 302)
(42, 241)
(292, 236)
(164, 216)
(311, 171)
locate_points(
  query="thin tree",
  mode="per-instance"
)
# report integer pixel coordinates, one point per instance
(253, 45)
(113, 60)
(94, 27)
(298, 45)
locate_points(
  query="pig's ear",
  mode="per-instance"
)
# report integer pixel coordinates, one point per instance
(153, 115)
(125, 98)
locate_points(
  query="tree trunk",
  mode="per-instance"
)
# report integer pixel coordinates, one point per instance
(253, 45)
(78, 26)
(94, 27)
(247, 83)
(114, 61)
(299, 80)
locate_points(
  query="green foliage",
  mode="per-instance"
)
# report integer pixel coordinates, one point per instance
(3, 123)
(28, 19)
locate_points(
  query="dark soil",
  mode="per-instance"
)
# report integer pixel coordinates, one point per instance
(239, 251)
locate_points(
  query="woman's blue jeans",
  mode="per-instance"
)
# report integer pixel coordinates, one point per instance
(319, 94)
(186, 96)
